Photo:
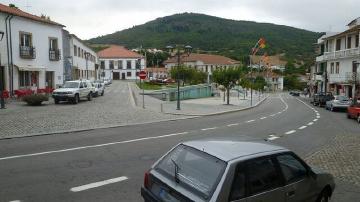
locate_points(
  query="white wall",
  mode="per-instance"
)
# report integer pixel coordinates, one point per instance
(80, 62)
(41, 33)
(108, 71)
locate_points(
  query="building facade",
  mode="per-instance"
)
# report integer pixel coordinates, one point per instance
(154, 73)
(80, 61)
(30, 50)
(117, 62)
(202, 62)
(336, 67)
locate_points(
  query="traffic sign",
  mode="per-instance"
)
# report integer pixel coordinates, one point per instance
(142, 74)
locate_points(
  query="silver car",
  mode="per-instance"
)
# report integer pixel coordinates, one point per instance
(213, 170)
(339, 102)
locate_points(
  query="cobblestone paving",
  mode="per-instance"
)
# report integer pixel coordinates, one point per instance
(341, 158)
(115, 108)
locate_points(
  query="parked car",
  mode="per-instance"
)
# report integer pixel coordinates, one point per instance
(339, 102)
(107, 81)
(99, 89)
(353, 112)
(73, 91)
(295, 93)
(222, 170)
(320, 99)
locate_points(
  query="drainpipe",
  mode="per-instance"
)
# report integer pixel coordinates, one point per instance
(11, 57)
(7, 44)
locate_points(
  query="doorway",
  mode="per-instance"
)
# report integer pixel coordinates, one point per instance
(116, 75)
(123, 76)
(49, 79)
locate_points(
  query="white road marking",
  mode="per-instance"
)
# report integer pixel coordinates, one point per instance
(98, 184)
(92, 146)
(250, 121)
(273, 138)
(311, 123)
(15, 201)
(234, 124)
(315, 120)
(273, 115)
(302, 127)
(290, 132)
(204, 129)
(317, 117)
(317, 114)
(263, 117)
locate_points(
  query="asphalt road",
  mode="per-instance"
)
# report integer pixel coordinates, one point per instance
(111, 162)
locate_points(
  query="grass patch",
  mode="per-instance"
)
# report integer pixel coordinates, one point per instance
(148, 86)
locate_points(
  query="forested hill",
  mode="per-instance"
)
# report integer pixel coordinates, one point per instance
(208, 33)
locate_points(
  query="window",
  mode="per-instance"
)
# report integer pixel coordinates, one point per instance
(238, 189)
(102, 64)
(53, 43)
(349, 42)
(292, 169)
(111, 64)
(338, 44)
(357, 41)
(120, 64)
(138, 64)
(25, 39)
(262, 176)
(128, 64)
(24, 78)
(337, 70)
(332, 68)
(128, 74)
(79, 52)
(75, 50)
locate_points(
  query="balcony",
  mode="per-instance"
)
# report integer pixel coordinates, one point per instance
(354, 52)
(27, 52)
(54, 55)
(320, 58)
(352, 76)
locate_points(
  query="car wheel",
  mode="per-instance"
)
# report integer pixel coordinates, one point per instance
(56, 101)
(76, 99)
(358, 118)
(332, 108)
(348, 116)
(90, 96)
(102, 94)
(324, 196)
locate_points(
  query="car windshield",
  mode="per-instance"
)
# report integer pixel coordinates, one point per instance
(71, 85)
(197, 170)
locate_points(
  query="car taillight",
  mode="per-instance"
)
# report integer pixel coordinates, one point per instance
(147, 180)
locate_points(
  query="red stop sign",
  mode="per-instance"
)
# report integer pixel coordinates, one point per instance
(142, 74)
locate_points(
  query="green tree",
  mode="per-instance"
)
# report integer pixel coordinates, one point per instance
(188, 75)
(227, 78)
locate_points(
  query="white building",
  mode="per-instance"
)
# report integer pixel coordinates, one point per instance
(117, 62)
(30, 50)
(203, 62)
(336, 66)
(80, 60)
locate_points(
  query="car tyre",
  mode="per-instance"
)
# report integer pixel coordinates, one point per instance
(90, 96)
(358, 118)
(348, 116)
(332, 108)
(102, 94)
(324, 196)
(56, 101)
(76, 99)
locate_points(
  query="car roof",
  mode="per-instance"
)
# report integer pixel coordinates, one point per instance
(228, 150)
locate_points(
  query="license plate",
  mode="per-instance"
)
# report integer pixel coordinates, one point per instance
(165, 196)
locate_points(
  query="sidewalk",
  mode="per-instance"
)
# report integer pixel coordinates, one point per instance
(197, 107)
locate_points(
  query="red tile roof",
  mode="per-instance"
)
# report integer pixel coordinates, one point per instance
(205, 58)
(115, 51)
(20, 13)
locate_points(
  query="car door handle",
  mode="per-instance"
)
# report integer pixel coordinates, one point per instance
(290, 193)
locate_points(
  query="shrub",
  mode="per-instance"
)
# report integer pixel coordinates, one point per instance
(35, 99)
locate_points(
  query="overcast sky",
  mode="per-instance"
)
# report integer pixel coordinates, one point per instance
(91, 18)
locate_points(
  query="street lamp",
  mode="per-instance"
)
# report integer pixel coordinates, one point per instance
(2, 79)
(179, 50)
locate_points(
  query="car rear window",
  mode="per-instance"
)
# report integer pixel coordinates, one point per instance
(198, 171)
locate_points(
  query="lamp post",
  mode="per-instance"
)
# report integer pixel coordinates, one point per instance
(2, 79)
(179, 49)
(87, 54)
